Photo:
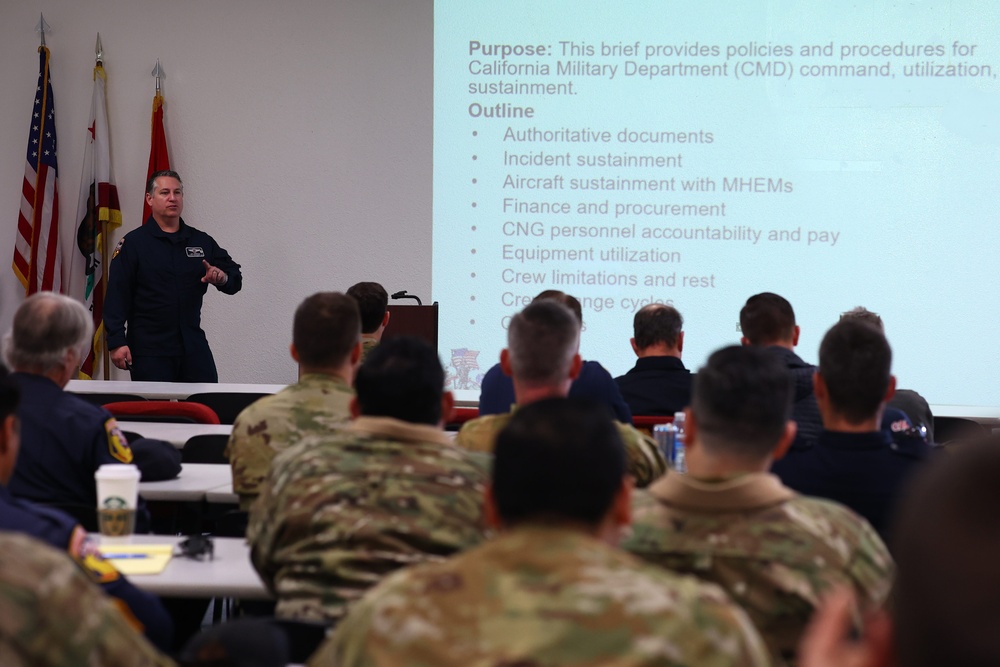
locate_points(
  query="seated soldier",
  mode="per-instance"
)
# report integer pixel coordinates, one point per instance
(730, 522)
(341, 509)
(325, 344)
(51, 615)
(373, 303)
(550, 589)
(658, 384)
(542, 357)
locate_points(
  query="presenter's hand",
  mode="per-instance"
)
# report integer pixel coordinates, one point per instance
(122, 357)
(213, 275)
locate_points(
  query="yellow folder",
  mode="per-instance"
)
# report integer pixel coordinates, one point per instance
(132, 559)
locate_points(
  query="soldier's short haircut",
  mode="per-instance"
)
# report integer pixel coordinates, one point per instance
(855, 361)
(10, 394)
(373, 301)
(402, 378)
(558, 459)
(567, 300)
(742, 400)
(325, 329)
(862, 314)
(542, 340)
(946, 543)
(45, 327)
(657, 323)
(767, 318)
(169, 173)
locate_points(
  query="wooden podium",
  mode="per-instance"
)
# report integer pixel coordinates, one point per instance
(419, 321)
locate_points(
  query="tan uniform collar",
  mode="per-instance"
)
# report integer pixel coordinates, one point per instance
(745, 492)
(395, 429)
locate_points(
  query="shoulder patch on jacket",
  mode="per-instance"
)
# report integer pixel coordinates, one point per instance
(117, 443)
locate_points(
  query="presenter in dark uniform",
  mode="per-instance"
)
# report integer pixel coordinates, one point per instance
(158, 277)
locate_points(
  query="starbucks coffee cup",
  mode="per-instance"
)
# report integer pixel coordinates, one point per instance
(117, 498)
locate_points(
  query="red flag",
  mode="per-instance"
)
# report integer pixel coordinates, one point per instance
(37, 259)
(158, 158)
(98, 214)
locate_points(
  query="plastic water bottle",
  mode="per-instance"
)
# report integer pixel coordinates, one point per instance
(679, 435)
(664, 434)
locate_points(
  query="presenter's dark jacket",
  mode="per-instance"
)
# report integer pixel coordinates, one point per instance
(864, 471)
(56, 529)
(496, 395)
(64, 440)
(154, 285)
(656, 386)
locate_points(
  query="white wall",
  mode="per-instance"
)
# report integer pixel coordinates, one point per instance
(302, 131)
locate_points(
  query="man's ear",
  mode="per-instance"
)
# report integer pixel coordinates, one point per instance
(574, 370)
(795, 335)
(385, 319)
(785, 441)
(744, 341)
(891, 391)
(680, 342)
(356, 352)
(505, 366)
(447, 407)
(491, 513)
(292, 350)
(621, 508)
(355, 407)
(691, 429)
(149, 200)
(635, 348)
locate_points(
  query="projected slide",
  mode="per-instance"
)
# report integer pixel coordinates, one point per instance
(698, 153)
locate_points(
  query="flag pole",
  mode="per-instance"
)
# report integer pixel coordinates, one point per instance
(105, 353)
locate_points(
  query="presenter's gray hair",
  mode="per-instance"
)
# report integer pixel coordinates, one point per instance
(542, 340)
(45, 327)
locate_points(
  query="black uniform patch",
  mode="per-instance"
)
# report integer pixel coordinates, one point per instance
(194, 251)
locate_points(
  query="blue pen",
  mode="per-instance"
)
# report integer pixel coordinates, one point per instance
(124, 556)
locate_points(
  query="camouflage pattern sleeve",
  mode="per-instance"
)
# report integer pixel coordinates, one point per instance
(776, 560)
(52, 615)
(645, 461)
(316, 403)
(539, 597)
(480, 434)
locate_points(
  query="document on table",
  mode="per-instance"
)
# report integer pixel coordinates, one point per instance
(132, 559)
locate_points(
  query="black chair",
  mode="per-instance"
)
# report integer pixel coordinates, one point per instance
(132, 436)
(304, 637)
(205, 449)
(228, 405)
(101, 399)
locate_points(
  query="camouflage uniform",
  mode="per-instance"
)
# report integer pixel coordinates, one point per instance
(773, 550)
(340, 510)
(51, 615)
(645, 461)
(316, 403)
(542, 595)
(368, 343)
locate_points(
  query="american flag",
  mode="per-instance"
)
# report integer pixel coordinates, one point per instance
(37, 260)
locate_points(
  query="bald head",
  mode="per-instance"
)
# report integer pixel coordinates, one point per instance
(50, 332)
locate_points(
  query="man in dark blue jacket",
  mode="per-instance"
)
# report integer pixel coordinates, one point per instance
(854, 461)
(61, 531)
(158, 278)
